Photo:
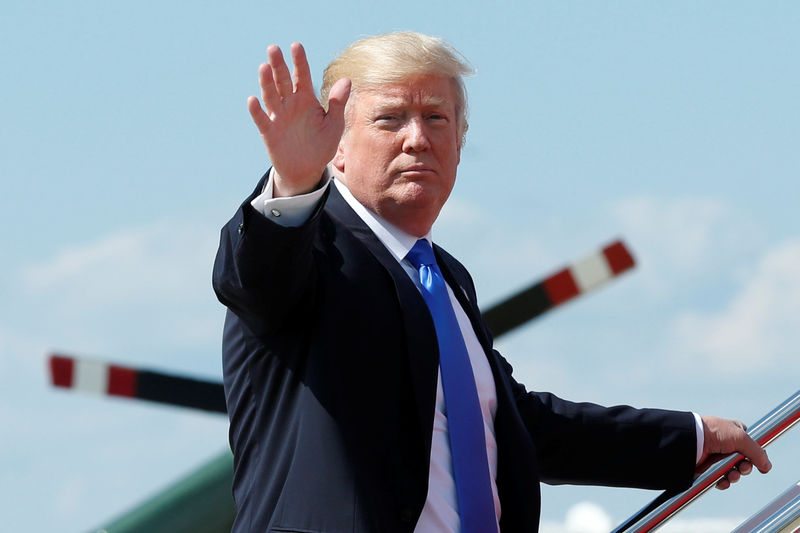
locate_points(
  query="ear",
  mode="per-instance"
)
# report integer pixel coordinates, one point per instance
(338, 159)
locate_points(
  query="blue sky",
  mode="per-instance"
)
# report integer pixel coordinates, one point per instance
(126, 144)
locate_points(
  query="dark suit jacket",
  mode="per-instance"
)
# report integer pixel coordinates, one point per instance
(330, 366)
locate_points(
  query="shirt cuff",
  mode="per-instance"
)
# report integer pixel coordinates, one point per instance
(698, 427)
(290, 211)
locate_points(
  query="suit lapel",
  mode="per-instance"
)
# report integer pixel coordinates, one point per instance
(423, 350)
(457, 279)
(452, 274)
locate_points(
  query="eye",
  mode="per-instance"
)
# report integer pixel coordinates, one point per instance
(388, 121)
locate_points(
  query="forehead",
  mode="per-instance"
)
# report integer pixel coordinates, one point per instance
(424, 90)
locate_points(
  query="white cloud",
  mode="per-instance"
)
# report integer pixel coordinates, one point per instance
(684, 228)
(761, 322)
(164, 260)
(587, 517)
(683, 237)
(145, 288)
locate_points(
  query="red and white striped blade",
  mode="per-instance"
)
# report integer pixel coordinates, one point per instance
(583, 276)
(91, 375)
(588, 273)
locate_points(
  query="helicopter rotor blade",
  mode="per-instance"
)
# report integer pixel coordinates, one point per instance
(115, 380)
(558, 288)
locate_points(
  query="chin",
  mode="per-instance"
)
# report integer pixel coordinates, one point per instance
(421, 207)
(422, 194)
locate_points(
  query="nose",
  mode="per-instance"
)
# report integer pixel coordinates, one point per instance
(415, 137)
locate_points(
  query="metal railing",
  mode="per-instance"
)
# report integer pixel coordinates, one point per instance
(668, 504)
(781, 515)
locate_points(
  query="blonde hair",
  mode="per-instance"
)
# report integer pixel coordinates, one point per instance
(394, 57)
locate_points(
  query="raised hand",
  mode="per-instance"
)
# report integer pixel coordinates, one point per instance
(301, 138)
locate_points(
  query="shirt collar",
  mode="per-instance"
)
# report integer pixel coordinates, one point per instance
(397, 241)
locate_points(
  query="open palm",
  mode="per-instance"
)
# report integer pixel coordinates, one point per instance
(300, 136)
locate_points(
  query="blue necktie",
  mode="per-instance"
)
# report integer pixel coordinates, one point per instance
(464, 418)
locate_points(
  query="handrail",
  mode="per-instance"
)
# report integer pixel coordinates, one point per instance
(777, 516)
(669, 503)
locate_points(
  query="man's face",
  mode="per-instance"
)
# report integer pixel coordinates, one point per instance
(399, 153)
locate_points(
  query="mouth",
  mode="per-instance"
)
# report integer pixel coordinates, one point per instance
(418, 170)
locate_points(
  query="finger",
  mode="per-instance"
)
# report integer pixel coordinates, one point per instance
(337, 100)
(269, 93)
(755, 453)
(302, 72)
(723, 484)
(744, 467)
(259, 117)
(733, 476)
(280, 72)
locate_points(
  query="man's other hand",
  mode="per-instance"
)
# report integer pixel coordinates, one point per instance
(723, 437)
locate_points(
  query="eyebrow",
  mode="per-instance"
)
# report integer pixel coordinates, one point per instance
(394, 103)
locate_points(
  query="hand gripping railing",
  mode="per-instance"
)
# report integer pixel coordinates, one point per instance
(781, 515)
(669, 503)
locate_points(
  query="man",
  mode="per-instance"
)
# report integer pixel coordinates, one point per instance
(346, 341)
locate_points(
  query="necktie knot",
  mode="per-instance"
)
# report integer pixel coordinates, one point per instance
(421, 254)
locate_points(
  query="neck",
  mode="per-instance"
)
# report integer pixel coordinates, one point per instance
(412, 221)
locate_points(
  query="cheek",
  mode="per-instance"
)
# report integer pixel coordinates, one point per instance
(450, 157)
(373, 149)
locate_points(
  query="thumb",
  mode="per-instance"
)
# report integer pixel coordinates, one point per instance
(337, 99)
